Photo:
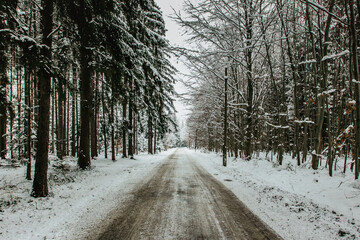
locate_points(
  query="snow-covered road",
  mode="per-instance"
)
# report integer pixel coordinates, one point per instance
(182, 201)
(174, 195)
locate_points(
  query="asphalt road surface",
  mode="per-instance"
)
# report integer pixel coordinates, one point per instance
(183, 201)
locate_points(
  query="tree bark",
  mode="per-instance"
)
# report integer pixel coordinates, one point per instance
(356, 78)
(150, 135)
(96, 110)
(3, 100)
(112, 128)
(85, 108)
(225, 118)
(53, 118)
(124, 127)
(130, 137)
(250, 90)
(77, 124)
(19, 108)
(27, 127)
(40, 185)
(93, 123)
(135, 149)
(11, 109)
(104, 117)
(73, 117)
(154, 143)
(67, 124)
(59, 122)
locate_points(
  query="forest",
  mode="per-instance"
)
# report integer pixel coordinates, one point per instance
(184, 119)
(83, 77)
(275, 76)
(80, 77)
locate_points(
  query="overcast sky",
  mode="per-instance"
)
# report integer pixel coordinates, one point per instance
(176, 39)
(174, 31)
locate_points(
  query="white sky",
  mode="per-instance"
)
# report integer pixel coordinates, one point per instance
(176, 39)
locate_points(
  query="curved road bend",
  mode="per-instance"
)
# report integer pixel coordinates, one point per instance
(183, 201)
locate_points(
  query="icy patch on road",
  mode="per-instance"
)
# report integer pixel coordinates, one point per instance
(296, 202)
(78, 199)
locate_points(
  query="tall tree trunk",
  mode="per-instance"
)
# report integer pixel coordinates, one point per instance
(112, 128)
(77, 124)
(64, 124)
(130, 137)
(250, 90)
(85, 108)
(59, 122)
(135, 135)
(225, 118)
(27, 127)
(315, 70)
(73, 118)
(93, 123)
(96, 111)
(11, 109)
(40, 186)
(19, 108)
(3, 100)
(155, 138)
(125, 128)
(4, 80)
(104, 116)
(67, 123)
(150, 135)
(53, 117)
(357, 82)
(330, 153)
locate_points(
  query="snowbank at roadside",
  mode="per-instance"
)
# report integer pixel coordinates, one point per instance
(296, 202)
(78, 199)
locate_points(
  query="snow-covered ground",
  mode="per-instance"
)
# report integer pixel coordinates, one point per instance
(296, 202)
(78, 199)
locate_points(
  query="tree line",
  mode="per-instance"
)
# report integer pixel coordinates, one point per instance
(81, 76)
(291, 83)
